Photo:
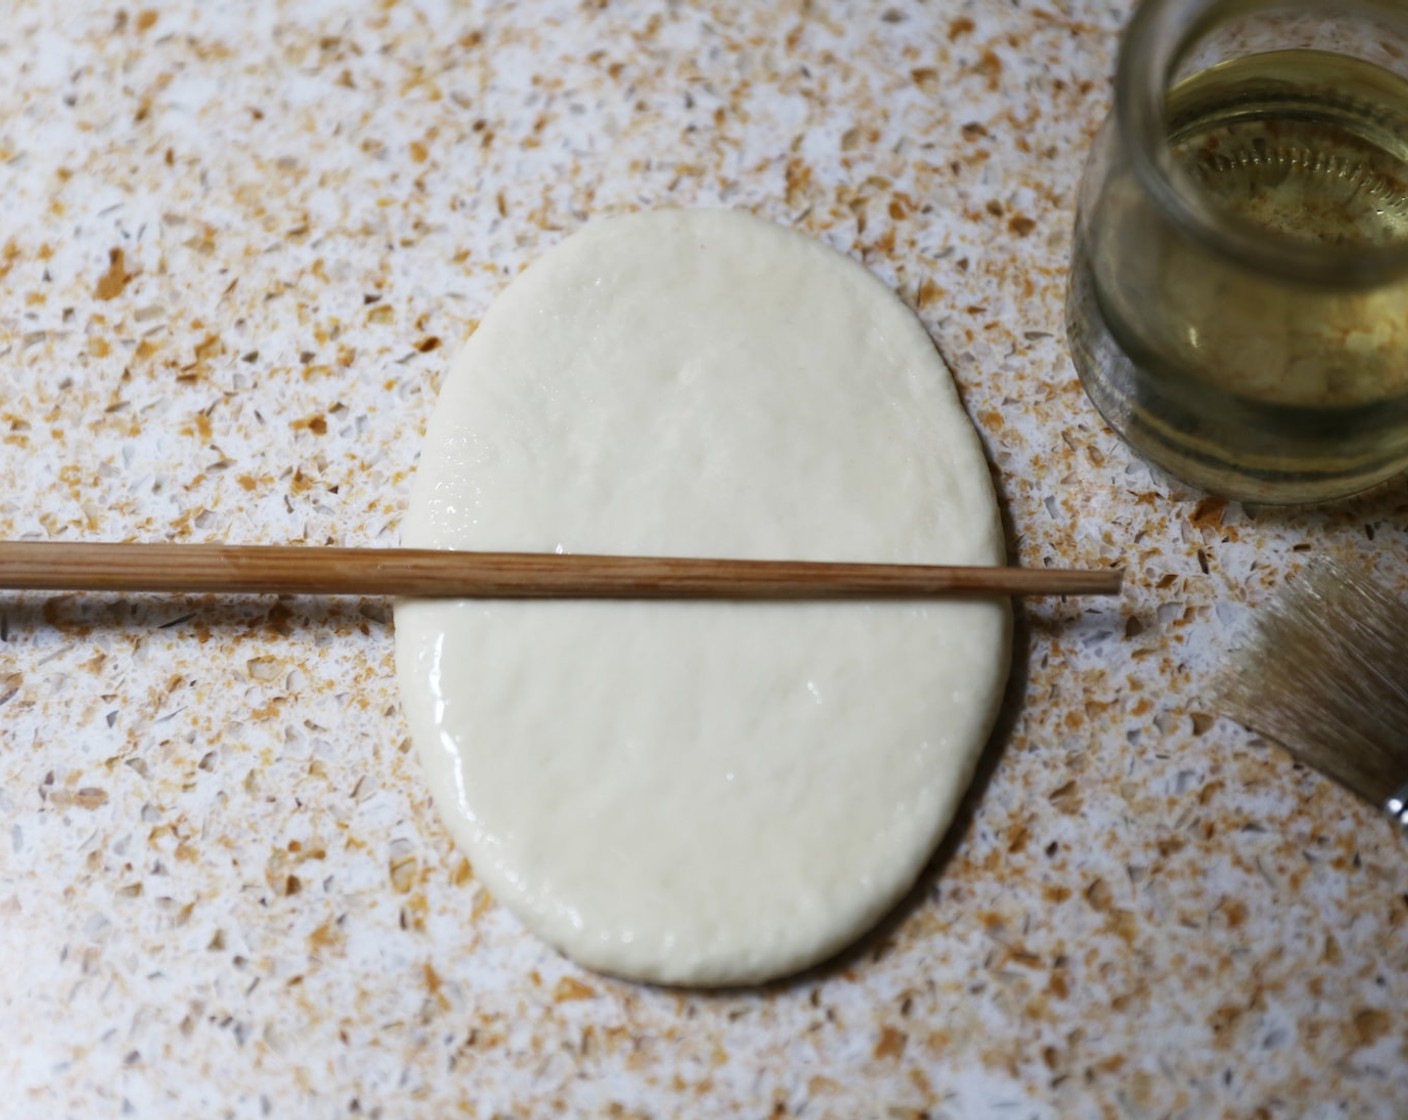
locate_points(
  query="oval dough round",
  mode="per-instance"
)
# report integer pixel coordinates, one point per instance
(701, 793)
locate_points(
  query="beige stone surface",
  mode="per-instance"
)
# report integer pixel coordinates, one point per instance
(239, 244)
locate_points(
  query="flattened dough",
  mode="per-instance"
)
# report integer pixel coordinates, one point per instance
(699, 793)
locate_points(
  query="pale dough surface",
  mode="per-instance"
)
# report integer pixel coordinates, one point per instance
(688, 792)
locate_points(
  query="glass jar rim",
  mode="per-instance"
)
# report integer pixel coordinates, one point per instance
(1159, 36)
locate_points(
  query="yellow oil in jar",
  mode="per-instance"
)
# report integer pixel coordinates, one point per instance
(1234, 377)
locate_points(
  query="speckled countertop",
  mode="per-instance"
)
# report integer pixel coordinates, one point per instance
(240, 243)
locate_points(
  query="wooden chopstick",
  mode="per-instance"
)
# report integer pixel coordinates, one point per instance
(433, 573)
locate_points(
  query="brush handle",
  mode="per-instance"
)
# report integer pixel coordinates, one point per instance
(434, 573)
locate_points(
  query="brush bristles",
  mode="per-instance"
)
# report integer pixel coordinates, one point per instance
(1326, 676)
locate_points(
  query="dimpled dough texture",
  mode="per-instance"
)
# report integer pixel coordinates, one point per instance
(701, 793)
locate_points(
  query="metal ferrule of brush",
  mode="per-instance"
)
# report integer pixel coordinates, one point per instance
(1397, 807)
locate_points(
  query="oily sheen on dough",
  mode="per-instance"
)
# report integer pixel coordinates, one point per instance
(701, 793)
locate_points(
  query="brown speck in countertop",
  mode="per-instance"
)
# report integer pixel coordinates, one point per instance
(112, 282)
(891, 1043)
(462, 873)
(990, 66)
(1208, 513)
(1370, 1025)
(568, 989)
(403, 873)
(317, 424)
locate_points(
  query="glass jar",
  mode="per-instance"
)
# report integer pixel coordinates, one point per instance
(1238, 300)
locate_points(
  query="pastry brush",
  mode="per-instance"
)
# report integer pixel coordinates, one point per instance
(1326, 676)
